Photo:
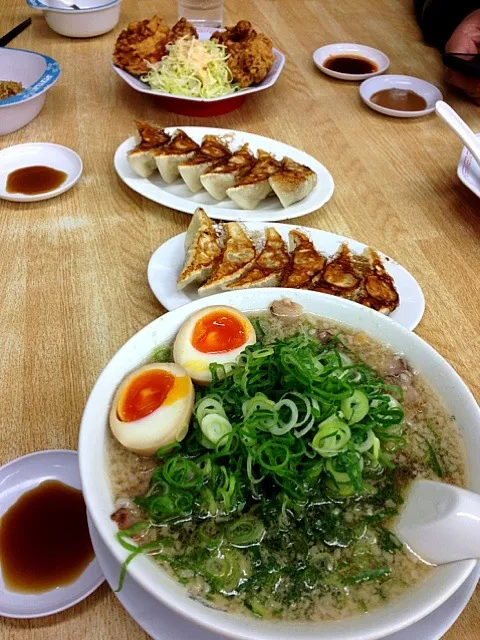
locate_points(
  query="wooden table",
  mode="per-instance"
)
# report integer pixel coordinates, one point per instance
(73, 269)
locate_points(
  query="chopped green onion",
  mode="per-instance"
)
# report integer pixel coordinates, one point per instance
(227, 570)
(434, 460)
(162, 354)
(215, 427)
(355, 408)
(331, 438)
(285, 425)
(210, 534)
(245, 532)
(375, 575)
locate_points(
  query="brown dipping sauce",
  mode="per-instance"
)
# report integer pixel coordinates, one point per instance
(350, 64)
(34, 180)
(399, 99)
(44, 539)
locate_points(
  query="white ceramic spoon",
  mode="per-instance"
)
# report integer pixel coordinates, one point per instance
(440, 522)
(460, 127)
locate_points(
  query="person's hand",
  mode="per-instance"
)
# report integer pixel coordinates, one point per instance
(465, 39)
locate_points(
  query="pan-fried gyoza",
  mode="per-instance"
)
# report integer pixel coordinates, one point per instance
(239, 174)
(236, 261)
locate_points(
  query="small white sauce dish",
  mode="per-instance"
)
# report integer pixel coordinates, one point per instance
(427, 91)
(16, 478)
(39, 154)
(321, 55)
(93, 18)
(37, 73)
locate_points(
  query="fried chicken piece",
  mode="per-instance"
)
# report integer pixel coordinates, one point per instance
(139, 42)
(251, 54)
(184, 28)
(145, 41)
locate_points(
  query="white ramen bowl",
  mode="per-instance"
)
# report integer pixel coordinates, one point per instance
(392, 617)
(94, 17)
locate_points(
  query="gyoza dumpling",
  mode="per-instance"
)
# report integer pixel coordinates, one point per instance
(181, 148)
(253, 187)
(149, 138)
(201, 250)
(293, 183)
(217, 180)
(211, 152)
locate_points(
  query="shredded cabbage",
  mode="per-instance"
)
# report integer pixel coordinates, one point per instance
(193, 68)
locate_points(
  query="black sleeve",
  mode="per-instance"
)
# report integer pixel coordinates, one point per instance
(438, 19)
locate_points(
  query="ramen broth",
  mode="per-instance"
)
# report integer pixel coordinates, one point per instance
(433, 446)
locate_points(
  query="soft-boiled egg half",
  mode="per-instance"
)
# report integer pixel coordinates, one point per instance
(152, 408)
(214, 334)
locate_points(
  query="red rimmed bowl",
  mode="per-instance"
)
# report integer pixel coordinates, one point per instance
(204, 107)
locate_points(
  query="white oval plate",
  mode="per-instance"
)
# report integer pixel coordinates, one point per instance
(161, 623)
(468, 170)
(348, 48)
(204, 33)
(178, 196)
(17, 477)
(35, 154)
(167, 262)
(428, 91)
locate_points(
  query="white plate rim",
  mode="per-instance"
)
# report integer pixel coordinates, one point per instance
(66, 454)
(464, 170)
(266, 83)
(68, 184)
(393, 112)
(318, 59)
(320, 195)
(161, 260)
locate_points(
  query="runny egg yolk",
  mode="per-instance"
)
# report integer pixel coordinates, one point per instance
(218, 332)
(145, 393)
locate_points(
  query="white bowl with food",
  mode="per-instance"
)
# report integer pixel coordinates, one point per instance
(349, 61)
(93, 18)
(25, 77)
(191, 75)
(233, 523)
(400, 96)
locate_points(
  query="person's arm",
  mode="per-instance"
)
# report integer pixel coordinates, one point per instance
(438, 19)
(452, 26)
(465, 39)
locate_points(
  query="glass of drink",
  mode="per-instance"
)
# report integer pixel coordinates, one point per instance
(202, 13)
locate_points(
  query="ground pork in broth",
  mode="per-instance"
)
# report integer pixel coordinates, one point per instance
(432, 445)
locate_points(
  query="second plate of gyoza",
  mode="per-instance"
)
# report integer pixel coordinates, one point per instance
(167, 262)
